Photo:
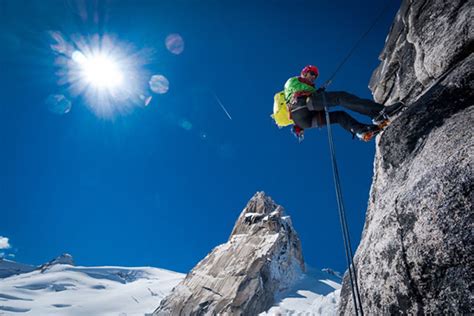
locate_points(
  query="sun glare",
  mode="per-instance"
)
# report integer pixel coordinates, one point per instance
(105, 74)
(99, 70)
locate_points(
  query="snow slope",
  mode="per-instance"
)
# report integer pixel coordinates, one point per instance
(316, 293)
(63, 289)
(68, 290)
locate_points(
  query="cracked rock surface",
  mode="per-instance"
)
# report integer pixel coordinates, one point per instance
(427, 38)
(416, 255)
(241, 277)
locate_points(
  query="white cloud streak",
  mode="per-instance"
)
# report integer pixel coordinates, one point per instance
(222, 106)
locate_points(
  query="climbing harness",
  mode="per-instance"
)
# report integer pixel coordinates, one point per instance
(337, 185)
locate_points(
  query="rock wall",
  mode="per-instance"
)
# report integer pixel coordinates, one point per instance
(241, 277)
(426, 40)
(416, 255)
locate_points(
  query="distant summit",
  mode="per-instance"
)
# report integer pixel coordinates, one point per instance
(64, 289)
(241, 277)
(62, 259)
(259, 270)
(9, 268)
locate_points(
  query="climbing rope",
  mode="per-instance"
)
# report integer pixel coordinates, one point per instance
(337, 183)
(342, 218)
(354, 47)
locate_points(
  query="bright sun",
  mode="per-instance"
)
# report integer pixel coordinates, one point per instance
(105, 74)
(99, 70)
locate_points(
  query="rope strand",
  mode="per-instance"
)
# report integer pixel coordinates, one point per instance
(342, 218)
(340, 202)
(354, 47)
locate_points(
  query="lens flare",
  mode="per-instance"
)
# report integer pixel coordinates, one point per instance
(58, 104)
(159, 84)
(174, 43)
(146, 99)
(102, 71)
(185, 124)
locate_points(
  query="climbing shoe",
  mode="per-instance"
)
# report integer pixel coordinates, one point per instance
(365, 136)
(388, 112)
(368, 132)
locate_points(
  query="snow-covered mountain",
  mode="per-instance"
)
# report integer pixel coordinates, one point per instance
(260, 269)
(64, 289)
(57, 288)
(8, 268)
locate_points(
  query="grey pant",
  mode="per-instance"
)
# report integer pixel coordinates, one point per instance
(346, 100)
(309, 112)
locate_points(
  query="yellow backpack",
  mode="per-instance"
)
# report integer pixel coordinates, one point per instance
(281, 115)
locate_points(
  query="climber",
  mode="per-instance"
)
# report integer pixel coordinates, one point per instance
(307, 110)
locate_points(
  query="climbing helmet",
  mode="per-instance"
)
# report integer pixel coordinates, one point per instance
(310, 68)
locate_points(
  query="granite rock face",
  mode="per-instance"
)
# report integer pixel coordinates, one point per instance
(241, 277)
(426, 40)
(416, 255)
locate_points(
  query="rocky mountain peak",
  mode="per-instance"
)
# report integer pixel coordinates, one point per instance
(65, 258)
(260, 212)
(241, 277)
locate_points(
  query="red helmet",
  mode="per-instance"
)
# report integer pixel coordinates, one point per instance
(310, 68)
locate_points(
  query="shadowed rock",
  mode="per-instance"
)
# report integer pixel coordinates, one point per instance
(416, 253)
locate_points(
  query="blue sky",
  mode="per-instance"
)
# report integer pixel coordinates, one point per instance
(162, 185)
